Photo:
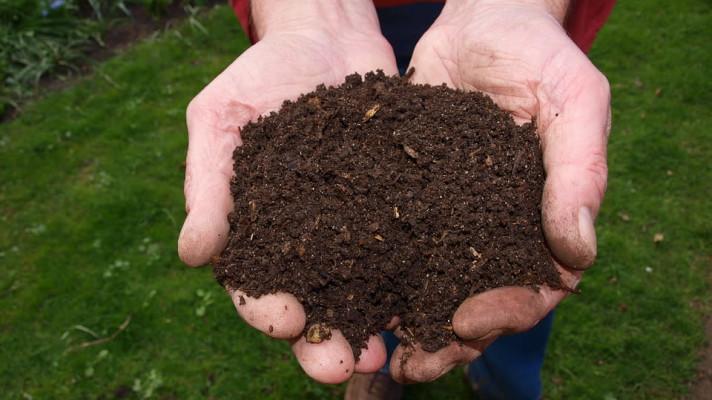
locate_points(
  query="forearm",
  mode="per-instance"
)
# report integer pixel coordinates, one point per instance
(555, 8)
(335, 16)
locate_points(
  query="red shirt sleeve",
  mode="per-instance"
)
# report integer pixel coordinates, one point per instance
(242, 11)
(583, 21)
(585, 18)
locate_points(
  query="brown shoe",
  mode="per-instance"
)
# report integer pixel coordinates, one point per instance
(378, 386)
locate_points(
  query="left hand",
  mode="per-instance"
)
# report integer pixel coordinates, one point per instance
(518, 53)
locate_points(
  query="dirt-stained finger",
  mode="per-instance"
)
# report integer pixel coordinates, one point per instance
(373, 357)
(329, 361)
(278, 315)
(411, 364)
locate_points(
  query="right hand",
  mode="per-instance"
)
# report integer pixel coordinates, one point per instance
(300, 47)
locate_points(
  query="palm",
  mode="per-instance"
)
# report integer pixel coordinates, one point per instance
(276, 69)
(283, 66)
(523, 60)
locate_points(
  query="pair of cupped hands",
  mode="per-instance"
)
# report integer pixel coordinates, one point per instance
(515, 51)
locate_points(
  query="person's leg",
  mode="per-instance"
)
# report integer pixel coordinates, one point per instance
(510, 368)
(391, 342)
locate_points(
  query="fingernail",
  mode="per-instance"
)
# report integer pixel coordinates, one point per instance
(587, 233)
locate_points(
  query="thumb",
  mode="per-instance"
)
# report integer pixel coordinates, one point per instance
(574, 147)
(213, 134)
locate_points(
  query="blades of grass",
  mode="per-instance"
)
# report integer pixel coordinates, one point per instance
(84, 329)
(192, 12)
(96, 7)
(122, 6)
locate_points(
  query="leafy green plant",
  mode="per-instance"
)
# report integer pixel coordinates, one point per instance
(157, 7)
(37, 40)
(100, 8)
(50, 38)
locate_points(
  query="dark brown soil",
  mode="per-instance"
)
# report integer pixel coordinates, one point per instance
(380, 198)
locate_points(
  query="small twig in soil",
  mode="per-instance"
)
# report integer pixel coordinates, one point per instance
(475, 253)
(442, 237)
(371, 112)
(253, 210)
(410, 151)
(517, 160)
(479, 263)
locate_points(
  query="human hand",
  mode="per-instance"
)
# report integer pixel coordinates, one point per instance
(518, 53)
(302, 45)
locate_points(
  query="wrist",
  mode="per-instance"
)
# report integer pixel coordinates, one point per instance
(336, 18)
(554, 8)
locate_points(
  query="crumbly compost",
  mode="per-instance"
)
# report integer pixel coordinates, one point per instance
(382, 198)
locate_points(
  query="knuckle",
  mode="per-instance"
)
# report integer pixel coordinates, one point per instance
(603, 83)
(526, 320)
(521, 321)
(422, 373)
(430, 40)
(597, 169)
(461, 326)
(599, 85)
(196, 109)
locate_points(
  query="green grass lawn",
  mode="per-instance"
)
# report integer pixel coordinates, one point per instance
(91, 205)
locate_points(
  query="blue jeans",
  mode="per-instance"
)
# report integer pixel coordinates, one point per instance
(510, 367)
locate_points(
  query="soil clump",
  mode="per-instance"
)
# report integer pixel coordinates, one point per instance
(381, 198)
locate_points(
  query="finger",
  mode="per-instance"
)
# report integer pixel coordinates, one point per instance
(428, 66)
(373, 357)
(410, 364)
(213, 132)
(330, 361)
(574, 147)
(278, 315)
(393, 323)
(503, 311)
